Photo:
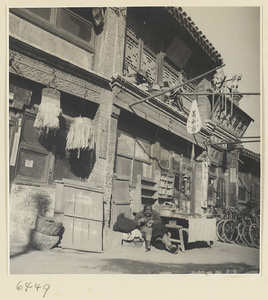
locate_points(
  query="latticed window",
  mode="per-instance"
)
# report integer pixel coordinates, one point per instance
(132, 53)
(149, 64)
(170, 75)
(152, 45)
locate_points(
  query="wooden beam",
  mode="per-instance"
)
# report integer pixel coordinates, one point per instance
(176, 87)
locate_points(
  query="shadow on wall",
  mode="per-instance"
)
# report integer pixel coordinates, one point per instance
(43, 202)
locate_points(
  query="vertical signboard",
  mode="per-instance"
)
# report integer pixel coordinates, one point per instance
(194, 120)
(201, 187)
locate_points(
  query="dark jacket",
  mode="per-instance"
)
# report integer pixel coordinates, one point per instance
(124, 224)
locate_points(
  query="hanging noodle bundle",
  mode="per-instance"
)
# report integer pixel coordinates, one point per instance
(49, 110)
(80, 135)
(47, 117)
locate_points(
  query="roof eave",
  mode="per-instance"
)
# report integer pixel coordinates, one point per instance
(193, 31)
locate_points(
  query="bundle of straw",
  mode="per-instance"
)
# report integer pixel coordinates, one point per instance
(80, 135)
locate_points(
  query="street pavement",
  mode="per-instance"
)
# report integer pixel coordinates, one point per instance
(130, 258)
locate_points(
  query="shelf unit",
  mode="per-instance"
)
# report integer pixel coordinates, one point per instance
(146, 191)
(166, 186)
(149, 189)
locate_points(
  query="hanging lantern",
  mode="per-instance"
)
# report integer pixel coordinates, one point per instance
(49, 110)
(80, 135)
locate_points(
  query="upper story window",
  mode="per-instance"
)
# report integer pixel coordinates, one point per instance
(153, 45)
(73, 24)
(44, 13)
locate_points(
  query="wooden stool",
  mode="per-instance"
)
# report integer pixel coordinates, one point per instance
(179, 241)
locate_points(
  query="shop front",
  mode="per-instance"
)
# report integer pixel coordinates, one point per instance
(53, 154)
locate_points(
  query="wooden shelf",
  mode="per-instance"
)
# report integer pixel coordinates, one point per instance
(149, 189)
(166, 186)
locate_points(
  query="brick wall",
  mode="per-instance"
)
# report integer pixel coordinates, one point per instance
(110, 44)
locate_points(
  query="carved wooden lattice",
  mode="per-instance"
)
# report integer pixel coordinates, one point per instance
(170, 76)
(149, 64)
(132, 51)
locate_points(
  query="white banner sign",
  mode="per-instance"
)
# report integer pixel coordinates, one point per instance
(194, 119)
(204, 202)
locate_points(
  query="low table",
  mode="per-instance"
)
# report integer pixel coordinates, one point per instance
(197, 228)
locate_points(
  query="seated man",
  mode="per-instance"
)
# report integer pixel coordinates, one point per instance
(153, 230)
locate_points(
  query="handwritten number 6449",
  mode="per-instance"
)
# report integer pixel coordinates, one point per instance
(29, 285)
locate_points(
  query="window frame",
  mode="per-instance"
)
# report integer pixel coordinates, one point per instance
(25, 146)
(159, 57)
(53, 27)
(133, 158)
(51, 156)
(162, 61)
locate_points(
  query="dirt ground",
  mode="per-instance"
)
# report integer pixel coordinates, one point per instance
(221, 258)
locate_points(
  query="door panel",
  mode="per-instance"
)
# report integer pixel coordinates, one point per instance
(120, 198)
(82, 219)
(82, 234)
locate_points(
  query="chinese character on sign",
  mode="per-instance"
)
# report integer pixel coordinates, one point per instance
(194, 120)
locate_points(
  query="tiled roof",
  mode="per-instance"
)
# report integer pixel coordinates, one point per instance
(195, 33)
(250, 154)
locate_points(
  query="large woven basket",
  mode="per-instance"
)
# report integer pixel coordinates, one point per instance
(48, 226)
(43, 241)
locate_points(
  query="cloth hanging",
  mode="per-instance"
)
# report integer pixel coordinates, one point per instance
(124, 224)
(201, 230)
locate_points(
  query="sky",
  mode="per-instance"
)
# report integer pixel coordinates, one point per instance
(235, 33)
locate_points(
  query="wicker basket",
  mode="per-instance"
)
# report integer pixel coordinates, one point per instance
(48, 226)
(43, 241)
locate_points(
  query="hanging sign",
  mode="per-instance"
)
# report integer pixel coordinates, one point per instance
(15, 146)
(19, 96)
(204, 202)
(194, 120)
(234, 121)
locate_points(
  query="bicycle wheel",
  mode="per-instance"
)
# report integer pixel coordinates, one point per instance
(239, 232)
(246, 236)
(229, 230)
(239, 239)
(220, 230)
(254, 232)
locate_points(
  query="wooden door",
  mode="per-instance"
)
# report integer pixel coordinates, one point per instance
(120, 198)
(83, 219)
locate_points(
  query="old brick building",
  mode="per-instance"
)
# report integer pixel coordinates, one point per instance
(102, 61)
